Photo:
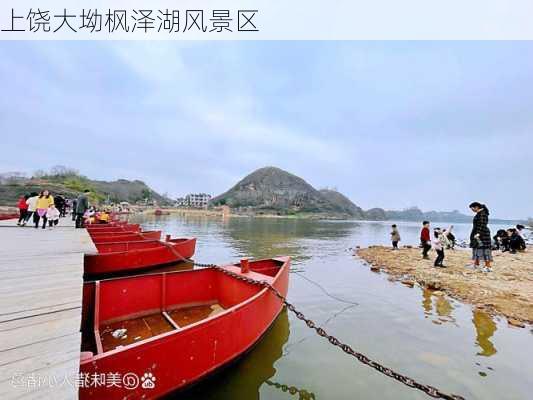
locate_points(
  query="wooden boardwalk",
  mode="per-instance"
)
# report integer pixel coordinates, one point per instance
(41, 278)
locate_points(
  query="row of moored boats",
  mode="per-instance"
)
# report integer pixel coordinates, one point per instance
(157, 333)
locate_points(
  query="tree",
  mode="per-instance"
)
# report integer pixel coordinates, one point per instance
(146, 194)
(61, 170)
(39, 173)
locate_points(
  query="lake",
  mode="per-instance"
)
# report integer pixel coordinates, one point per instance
(433, 339)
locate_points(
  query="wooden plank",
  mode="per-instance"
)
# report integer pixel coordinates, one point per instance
(40, 308)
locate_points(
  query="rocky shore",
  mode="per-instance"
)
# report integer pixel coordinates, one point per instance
(506, 291)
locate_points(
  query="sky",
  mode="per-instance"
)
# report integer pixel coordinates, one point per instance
(390, 124)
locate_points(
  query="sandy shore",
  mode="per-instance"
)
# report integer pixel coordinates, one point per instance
(506, 291)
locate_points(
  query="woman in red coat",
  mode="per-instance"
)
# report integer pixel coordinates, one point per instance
(23, 209)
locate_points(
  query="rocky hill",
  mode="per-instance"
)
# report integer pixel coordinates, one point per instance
(343, 203)
(272, 190)
(71, 185)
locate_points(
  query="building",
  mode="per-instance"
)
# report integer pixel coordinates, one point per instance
(194, 200)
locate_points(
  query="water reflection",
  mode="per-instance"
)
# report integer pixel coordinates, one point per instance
(293, 390)
(244, 378)
(485, 328)
(297, 237)
(438, 302)
(438, 305)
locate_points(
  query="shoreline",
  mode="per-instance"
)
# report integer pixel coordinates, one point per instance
(506, 291)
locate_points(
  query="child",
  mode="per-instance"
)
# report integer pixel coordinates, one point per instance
(52, 215)
(438, 245)
(395, 237)
(425, 240)
(23, 209)
(451, 238)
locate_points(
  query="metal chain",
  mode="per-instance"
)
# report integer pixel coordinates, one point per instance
(302, 393)
(429, 390)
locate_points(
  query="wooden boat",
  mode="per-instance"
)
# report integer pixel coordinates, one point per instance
(131, 256)
(99, 233)
(8, 216)
(180, 326)
(125, 236)
(111, 229)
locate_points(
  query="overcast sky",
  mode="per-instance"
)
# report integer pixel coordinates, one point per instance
(390, 124)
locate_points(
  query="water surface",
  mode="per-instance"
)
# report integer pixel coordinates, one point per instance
(434, 339)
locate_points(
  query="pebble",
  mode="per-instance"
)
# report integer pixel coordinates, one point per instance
(516, 322)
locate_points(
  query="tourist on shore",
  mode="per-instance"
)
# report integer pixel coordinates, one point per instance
(73, 205)
(480, 239)
(52, 215)
(23, 209)
(32, 206)
(516, 242)
(450, 238)
(103, 217)
(60, 203)
(425, 240)
(43, 202)
(501, 240)
(395, 237)
(82, 205)
(440, 242)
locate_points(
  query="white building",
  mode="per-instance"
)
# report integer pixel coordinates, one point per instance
(194, 200)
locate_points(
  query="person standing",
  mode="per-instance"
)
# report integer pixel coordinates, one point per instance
(82, 205)
(425, 240)
(395, 237)
(43, 203)
(59, 202)
(480, 239)
(32, 206)
(52, 214)
(23, 209)
(74, 203)
(440, 242)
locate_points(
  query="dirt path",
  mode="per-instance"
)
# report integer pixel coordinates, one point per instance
(507, 290)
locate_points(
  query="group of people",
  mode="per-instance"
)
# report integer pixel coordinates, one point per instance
(40, 207)
(511, 240)
(47, 209)
(481, 242)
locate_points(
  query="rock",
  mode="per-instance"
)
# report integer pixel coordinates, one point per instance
(516, 322)
(433, 285)
(374, 268)
(408, 282)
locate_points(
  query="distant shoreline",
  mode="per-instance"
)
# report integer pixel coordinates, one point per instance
(312, 216)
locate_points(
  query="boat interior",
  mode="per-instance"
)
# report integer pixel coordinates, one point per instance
(123, 311)
(113, 247)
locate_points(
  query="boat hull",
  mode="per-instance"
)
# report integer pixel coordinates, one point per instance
(182, 357)
(126, 237)
(132, 256)
(113, 228)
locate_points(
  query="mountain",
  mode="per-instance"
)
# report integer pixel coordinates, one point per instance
(415, 214)
(273, 190)
(376, 214)
(72, 184)
(344, 203)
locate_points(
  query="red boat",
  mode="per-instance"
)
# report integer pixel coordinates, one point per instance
(99, 233)
(163, 332)
(8, 216)
(125, 236)
(111, 229)
(131, 256)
